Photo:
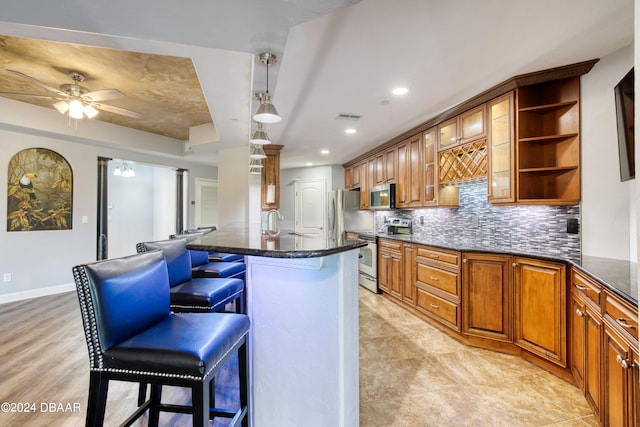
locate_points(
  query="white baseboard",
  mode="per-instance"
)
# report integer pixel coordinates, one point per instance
(34, 293)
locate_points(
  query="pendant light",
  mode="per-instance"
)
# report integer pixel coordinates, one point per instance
(255, 164)
(257, 152)
(267, 112)
(260, 136)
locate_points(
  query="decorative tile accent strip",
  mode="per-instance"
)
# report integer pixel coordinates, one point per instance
(477, 223)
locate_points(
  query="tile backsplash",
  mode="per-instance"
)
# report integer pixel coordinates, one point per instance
(478, 223)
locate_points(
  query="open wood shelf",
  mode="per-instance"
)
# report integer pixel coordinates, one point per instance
(543, 109)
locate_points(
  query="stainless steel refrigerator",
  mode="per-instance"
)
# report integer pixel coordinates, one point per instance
(345, 214)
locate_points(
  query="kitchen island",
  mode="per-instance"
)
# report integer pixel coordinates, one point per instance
(302, 299)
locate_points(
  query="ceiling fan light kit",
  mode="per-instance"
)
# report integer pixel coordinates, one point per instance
(76, 100)
(266, 113)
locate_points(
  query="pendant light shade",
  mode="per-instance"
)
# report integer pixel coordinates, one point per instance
(267, 112)
(257, 152)
(255, 164)
(260, 136)
(255, 171)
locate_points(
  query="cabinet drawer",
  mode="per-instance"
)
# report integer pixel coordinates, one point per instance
(438, 255)
(442, 309)
(624, 316)
(390, 244)
(586, 287)
(441, 279)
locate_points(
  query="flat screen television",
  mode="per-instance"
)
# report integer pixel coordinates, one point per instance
(624, 116)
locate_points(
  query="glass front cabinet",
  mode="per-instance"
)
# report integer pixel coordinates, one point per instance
(501, 185)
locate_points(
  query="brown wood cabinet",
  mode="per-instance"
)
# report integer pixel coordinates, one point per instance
(501, 150)
(391, 164)
(487, 295)
(548, 153)
(525, 306)
(463, 128)
(352, 177)
(409, 255)
(540, 309)
(620, 363)
(390, 267)
(409, 180)
(438, 285)
(271, 175)
(585, 336)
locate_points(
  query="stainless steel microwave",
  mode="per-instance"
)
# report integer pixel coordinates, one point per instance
(383, 197)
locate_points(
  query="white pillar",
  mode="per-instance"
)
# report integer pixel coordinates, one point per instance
(238, 192)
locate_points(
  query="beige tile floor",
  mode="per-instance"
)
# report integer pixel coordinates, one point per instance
(411, 374)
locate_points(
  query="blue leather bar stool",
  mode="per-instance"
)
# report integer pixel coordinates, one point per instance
(132, 335)
(198, 294)
(202, 266)
(225, 257)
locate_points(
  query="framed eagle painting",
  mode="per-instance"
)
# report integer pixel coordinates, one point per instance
(39, 191)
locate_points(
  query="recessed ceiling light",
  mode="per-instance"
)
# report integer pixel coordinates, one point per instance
(324, 151)
(350, 131)
(309, 164)
(400, 91)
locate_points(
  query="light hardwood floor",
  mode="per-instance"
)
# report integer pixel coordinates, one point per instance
(410, 375)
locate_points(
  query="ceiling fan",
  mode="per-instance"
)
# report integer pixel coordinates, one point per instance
(76, 99)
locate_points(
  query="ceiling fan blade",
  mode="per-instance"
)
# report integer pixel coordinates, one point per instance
(33, 95)
(116, 110)
(38, 82)
(102, 95)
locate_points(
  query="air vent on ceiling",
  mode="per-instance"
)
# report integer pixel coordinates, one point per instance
(347, 116)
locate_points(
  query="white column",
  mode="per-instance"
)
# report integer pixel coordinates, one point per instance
(238, 192)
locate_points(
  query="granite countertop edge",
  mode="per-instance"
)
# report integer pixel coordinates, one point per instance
(516, 252)
(277, 253)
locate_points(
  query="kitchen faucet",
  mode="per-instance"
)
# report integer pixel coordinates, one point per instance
(271, 223)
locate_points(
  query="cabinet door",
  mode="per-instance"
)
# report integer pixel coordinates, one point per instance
(410, 274)
(355, 176)
(402, 179)
(415, 171)
(585, 336)
(396, 276)
(487, 295)
(448, 134)
(391, 164)
(379, 176)
(271, 176)
(430, 177)
(366, 176)
(472, 124)
(501, 187)
(540, 309)
(618, 380)
(384, 272)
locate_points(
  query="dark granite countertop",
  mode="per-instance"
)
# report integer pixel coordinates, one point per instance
(284, 244)
(617, 275)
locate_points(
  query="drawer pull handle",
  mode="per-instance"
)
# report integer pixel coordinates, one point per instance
(623, 322)
(579, 312)
(432, 305)
(581, 288)
(623, 362)
(435, 279)
(434, 256)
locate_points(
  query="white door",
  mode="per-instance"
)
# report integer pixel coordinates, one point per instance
(311, 207)
(206, 202)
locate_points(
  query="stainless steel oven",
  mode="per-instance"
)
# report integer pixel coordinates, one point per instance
(368, 266)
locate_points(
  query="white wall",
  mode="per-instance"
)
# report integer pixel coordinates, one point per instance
(40, 261)
(608, 212)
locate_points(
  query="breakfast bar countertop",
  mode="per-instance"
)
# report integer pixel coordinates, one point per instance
(281, 244)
